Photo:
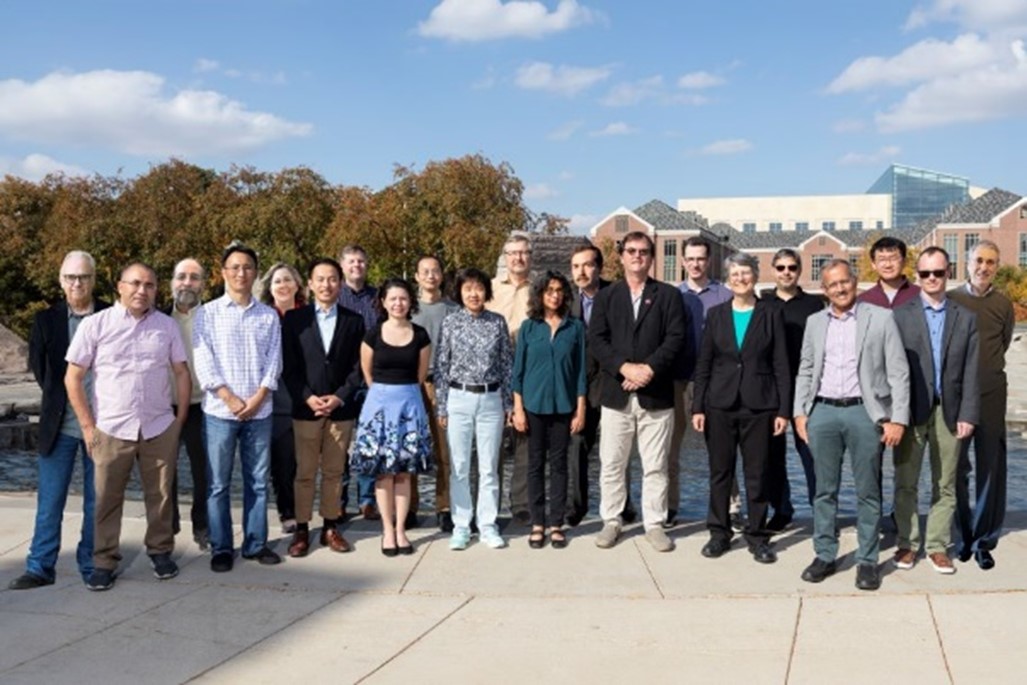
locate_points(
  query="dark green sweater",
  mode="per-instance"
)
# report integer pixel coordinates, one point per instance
(995, 322)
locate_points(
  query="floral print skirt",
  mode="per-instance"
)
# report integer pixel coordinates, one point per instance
(392, 435)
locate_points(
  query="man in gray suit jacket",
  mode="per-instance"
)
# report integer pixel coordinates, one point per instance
(940, 338)
(851, 393)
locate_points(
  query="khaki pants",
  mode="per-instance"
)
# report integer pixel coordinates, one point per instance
(320, 444)
(440, 450)
(112, 460)
(619, 429)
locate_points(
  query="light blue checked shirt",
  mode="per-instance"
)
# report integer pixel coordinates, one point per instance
(238, 347)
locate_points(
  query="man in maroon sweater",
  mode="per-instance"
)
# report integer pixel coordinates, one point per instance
(888, 257)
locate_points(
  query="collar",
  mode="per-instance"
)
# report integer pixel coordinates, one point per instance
(851, 314)
(928, 306)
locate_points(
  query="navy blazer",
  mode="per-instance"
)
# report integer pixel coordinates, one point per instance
(591, 365)
(48, 344)
(308, 370)
(756, 375)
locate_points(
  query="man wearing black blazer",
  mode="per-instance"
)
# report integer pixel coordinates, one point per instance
(321, 355)
(636, 332)
(940, 338)
(60, 437)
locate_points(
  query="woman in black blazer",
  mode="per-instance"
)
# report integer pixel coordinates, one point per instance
(742, 398)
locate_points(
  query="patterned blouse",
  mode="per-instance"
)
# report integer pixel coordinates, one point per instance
(473, 350)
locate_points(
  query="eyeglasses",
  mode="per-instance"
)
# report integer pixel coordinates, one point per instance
(145, 285)
(236, 268)
(76, 278)
(927, 273)
(640, 251)
(517, 253)
(888, 258)
(781, 268)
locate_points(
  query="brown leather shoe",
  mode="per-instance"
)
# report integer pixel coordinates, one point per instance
(904, 559)
(331, 538)
(941, 563)
(369, 512)
(300, 544)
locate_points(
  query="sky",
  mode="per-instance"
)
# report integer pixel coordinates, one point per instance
(595, 104)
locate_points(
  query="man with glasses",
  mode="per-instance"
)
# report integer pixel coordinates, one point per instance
(982, 526)
(237, 345)
(888, 259)
(510, 300)
(187, 284)
(60, 436)
(940, 338)
(636, 333)
(129, 348)
(797, 305)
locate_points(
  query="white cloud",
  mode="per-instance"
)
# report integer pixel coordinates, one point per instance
(478, 20)
(203, 65)
(922, 61)
(539, 191)
(35, 166)
(651, 89)
(131, 111)
(565, 80)
(986, 15)
(580, 224)
(733, 146)
(565, 131)
(698, 80)
(885, 154)
(849, 126)
(617, 128)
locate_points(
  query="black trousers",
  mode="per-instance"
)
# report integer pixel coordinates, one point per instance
(726, 432)
(549, 437)
(982, 527)
(283, 465)
(192, 437)
(582, 445)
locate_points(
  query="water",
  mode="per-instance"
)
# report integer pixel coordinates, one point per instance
(18, 474)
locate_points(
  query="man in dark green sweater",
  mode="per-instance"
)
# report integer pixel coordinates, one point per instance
(982, 526)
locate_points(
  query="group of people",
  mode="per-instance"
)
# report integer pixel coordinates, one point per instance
(394, 382)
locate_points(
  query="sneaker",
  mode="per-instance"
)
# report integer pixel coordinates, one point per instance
(941, 563)
(671, 520)
(265, 556)
(490, 537)
(101, 579)
(659, 540)
(819, 570)
(28, 581)
(221, 562)
(164, 567)
(460, 539)
(607, 537)
(737, 522)
(904, 559)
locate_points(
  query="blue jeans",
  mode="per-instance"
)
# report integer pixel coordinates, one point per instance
(253, 439)
(55, 471)
(474, 418)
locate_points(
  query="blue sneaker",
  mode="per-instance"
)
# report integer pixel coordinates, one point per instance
(490, 537)
(460, 539)
(101, 579)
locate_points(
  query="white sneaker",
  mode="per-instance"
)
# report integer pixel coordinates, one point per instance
(491, 538)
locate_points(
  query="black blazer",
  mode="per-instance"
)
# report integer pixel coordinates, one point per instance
(656, 338)
(592, 377)
(960, 389)
(755, 376)
(307, 370)
(48, 344)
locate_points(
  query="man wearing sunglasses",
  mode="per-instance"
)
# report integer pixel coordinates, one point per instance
(797, 306)
(940, 338)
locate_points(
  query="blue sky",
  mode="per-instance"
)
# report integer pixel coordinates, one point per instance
(595, 103)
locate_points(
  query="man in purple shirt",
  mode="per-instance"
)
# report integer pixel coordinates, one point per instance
(888, 258)
(129, 348)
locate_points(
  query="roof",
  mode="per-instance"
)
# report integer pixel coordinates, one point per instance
(980, 211)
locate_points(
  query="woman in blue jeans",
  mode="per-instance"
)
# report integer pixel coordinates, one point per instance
(549, 399)
(472, 381)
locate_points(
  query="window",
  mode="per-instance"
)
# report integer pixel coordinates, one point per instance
(748, 227)
(969, 240)
(1023, 250)
(801, 225)
(827, 226)
(951, 245)
(670, 260)
(620, 224)
(775, 226)
(880, 225)
(817, 263)
(854, 263)
(855, 225)
(1023, 212)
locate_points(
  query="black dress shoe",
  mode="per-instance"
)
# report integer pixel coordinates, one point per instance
(629, 515)
(818, 570)
(405, 550)
(265, 556)
(445, 521)
(762, 553)
(965, 554)
(221, 562)
(868, 577)
(778, 523)
(716, 547)
(671, 520)
(984, 559)
(28, 581)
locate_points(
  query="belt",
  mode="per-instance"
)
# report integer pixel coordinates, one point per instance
(840, 402)
(477, 389)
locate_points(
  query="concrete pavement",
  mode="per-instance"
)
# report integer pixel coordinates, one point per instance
(509, 616)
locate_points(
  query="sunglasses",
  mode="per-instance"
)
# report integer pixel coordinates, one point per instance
(937, 273)
(781, 268)
(640, 251)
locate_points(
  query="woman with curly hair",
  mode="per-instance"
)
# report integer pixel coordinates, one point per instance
(393, 437)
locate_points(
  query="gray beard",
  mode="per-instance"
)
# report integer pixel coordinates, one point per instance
(186, 299)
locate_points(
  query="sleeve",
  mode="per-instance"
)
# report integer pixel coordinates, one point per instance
(804, 387)
(82, 349)
(703, 367)
(442, 368)
(37, 350)
(294, 365)
(505, 362)
(600, 335)
(970, 406)
(371, 337)
(422, 337)
(355, 378)
(177, 351)
(579, 359)
(782, 372)
(664, 358)
(520, 358)
(207, 370)
(273, 356)
(897, 371)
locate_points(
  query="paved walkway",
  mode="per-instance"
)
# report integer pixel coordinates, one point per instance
(515, 615)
